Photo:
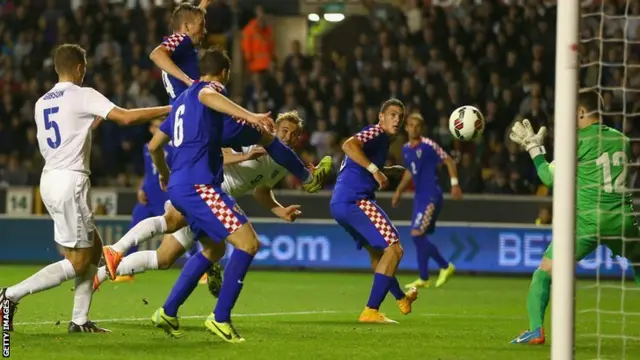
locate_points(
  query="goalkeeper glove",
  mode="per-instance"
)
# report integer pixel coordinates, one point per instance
(522, 134)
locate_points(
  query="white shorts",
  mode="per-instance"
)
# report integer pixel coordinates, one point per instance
(184, 235)
(65, 194)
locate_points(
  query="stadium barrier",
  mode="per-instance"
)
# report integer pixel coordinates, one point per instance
(322, 244)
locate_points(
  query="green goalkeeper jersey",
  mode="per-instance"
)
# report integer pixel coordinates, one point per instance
(603, 155)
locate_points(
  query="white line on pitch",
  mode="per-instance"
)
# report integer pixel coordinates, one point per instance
(294, 313)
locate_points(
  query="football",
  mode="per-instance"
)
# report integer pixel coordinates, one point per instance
(466, 123)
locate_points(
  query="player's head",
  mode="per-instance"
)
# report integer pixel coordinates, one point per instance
(189, 19)
(391, 116)
(414, 126)
(215, 64)
(70, 62)
(588, 108)
(155, 124)
(289, 127)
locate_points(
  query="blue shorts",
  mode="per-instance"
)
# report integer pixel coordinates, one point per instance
(141, 212)
(365, 221)
(425, 214)
(237, 133)
(209, 210)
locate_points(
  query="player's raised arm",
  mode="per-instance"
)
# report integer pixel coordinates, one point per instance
(211, 98)
(522, 134)
(137, 116)
(353, 149)
(97, 104)
(161, 56)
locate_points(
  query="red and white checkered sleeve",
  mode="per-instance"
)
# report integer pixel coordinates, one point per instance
(173, 41)
(369, 134)
(438, 150)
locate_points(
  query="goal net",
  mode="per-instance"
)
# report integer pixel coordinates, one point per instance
(607, 317)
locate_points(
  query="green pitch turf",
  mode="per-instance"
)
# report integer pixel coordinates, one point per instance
(313, 316)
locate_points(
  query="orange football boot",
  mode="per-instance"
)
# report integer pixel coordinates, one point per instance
(405, 303)
(374, 316)
(112, 259)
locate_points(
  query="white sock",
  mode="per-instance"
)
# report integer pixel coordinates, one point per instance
(82, 296)
(143, 231)
(136, 263)
(102, 274)
(50, 276)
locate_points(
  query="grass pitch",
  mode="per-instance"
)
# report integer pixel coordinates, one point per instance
(305, 315)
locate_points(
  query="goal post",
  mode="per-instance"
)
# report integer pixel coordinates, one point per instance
(564, 199)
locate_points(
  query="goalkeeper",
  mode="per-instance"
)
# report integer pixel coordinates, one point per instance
(604, 210)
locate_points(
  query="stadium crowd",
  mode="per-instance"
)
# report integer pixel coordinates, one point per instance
(500, 59)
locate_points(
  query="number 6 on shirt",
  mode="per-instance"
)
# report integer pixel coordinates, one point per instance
(52, 124)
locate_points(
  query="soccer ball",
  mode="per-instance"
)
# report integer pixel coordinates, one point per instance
(466, 123)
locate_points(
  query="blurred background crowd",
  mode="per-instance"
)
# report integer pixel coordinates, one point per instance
(496, 57)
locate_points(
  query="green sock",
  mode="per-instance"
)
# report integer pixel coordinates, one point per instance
(538, 298)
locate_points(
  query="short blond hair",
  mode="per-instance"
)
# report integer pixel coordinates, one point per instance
(417, 116)
(290, 116)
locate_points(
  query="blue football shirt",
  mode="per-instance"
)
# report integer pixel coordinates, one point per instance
(196, 134)
(355, 182)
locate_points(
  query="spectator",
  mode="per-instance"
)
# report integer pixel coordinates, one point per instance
(257, 43)
(544, 216)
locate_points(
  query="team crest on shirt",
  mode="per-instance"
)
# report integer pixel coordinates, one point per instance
(419, 153)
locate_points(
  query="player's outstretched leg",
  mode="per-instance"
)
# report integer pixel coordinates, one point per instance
(312, 179)
(404, 300)
(170, 222)
(537, 302)
(246, 244)
(171, 248)
(447, 269)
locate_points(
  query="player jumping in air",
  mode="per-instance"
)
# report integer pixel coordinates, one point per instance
(64, 117)
(250, 170)
(422, 157)
(151, 198)
(354, 207)
(177, 56)
(604, 210)
(195, 126)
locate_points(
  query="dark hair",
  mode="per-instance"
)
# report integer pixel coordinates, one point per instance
(213, 61)
(391, 102)
(184, 13)
(590, 100)
(67, 57)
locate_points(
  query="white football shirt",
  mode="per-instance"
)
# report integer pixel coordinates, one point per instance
(242, 177)
(63, 118)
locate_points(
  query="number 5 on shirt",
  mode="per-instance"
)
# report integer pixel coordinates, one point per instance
(50, 124)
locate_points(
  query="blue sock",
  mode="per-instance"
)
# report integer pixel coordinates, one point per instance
(434, 253)
(396, 290)
(187, 282)
(232, 282)
(284, 156)
(381, 285)
(422, 253)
